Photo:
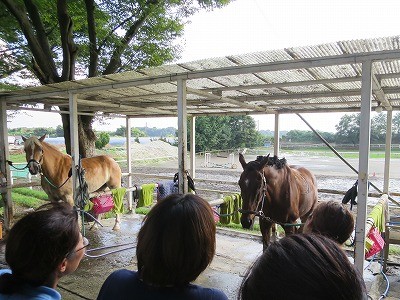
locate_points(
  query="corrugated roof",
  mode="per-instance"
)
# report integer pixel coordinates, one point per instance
(321, 78)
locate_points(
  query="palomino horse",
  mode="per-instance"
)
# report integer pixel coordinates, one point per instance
(277, 193)
(55, 169)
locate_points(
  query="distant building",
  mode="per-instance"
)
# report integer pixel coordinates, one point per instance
(15, 140)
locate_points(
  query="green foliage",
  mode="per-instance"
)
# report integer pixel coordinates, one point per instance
(102, 140)
(59, 131)
(226, 132)
(348, 129)
(27, 132)
(137, 132)
(114, 36)
(307, 136)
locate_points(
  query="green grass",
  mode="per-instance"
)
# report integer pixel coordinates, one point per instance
(27, 201)
(18, 158)
(28, 198)
(31, 193)
(394, 249)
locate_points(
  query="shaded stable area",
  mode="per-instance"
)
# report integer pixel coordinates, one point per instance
(346, 76)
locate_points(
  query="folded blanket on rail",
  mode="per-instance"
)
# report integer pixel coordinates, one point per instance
(229, 209)
(377, 215)
(166, 188)
(146, 195)
(118, 197)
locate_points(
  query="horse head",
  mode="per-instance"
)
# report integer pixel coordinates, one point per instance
(34, 153)
(252, 187)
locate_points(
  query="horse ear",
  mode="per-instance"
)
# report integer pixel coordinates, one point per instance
(23, 138)
(242, 161)
(42, 137)
(264, 161)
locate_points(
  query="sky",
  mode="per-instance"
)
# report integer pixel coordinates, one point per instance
(246, 26)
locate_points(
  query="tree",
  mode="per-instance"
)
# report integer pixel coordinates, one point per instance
(226, 132)
(348, 129)
(53, 41)
(396, 129)
(104, 139)
(378, 128)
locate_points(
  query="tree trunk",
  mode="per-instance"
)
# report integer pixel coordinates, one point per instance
(86, 135)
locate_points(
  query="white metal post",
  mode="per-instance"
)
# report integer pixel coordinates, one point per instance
(193, 146)
(5, 173)
(182, 136)
(365, 133)
(129, 161)
(276, 135)
(388, 151)
(73, 120)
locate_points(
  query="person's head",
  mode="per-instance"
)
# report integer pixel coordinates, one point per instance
(303, 266)
(42, 247)
(177, 241)
(331, 219)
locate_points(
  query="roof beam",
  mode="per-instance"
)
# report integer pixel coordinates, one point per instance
(285, 84)
(120, 106)
(314, 62)
(226, 100)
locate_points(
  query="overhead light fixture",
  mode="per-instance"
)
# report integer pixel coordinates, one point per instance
(379, 108)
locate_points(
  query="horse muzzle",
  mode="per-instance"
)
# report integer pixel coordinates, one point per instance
(34, 168)
(247, 222)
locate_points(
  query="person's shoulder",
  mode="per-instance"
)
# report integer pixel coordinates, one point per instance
(209, 293)
(5, 271)
(37, 293)
(118, 283)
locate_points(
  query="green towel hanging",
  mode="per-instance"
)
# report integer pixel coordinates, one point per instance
(146, 195)
(118, 197)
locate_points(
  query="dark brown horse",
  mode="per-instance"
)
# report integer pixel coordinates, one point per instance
(277, 193)
(55, 169)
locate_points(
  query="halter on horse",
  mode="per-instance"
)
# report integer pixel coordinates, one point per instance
(55, 169)
(277, 193)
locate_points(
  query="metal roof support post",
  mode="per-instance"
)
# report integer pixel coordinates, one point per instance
(73, 120)
(129, 160)
(5, 174)
(192, 122)
(276, 135)
(365, 134)
(182, 136)
(388, 150)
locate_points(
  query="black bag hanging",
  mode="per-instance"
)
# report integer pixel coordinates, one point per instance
(190, 181)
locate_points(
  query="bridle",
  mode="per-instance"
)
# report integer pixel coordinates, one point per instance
(259, 213)
(38, 163)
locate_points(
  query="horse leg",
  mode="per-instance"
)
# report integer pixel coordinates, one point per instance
(265, 228)
(274, 234)
(117, 222)
(95, 224)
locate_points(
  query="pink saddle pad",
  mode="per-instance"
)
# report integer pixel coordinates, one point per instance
(102, 204)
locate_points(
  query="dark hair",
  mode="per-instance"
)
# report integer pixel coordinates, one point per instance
(303, 266)
(38, 243)
(332, 220)
(177, 241)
